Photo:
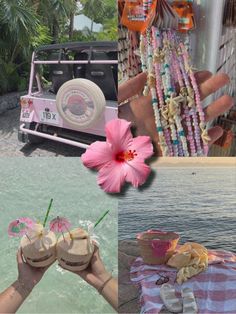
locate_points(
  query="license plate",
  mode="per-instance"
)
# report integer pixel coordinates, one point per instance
(26, 115)
(49, 117)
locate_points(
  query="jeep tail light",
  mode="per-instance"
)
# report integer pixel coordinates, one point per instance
(26, 103)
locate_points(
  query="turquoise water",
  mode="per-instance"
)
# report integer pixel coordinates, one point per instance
(199, 207)
(26, 187)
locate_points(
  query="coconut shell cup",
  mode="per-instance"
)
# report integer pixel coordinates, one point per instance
(75, 250)
(39, 247)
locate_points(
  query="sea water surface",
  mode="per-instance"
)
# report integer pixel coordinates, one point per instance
(198, 203)
(26, 186)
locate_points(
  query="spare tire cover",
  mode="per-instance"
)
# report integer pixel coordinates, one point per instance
(80, 103)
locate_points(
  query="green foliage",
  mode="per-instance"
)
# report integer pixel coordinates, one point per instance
(109, 30)
(103, 12)
(27, 24)
(18, 23)
(94, 9)
(10, 80)
(43, 37)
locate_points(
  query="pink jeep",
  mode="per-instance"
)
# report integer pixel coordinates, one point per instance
(72, 93)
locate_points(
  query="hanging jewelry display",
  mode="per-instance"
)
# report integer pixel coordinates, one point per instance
(128, 61)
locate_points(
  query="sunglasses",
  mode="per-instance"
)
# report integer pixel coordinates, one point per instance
(162, 280)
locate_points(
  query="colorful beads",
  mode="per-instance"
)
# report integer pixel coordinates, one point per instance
(179, 116)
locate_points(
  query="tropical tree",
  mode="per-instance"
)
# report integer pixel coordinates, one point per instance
(26, 24)
(18, 24)
(109, 31)
(55, 14)
(94, 9)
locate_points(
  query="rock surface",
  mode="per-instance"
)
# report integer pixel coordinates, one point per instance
(10, 101)
(128, 292)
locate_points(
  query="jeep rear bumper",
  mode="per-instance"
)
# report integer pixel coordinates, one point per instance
(54, 137)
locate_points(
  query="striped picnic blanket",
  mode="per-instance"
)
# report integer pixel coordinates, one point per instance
(214, 289)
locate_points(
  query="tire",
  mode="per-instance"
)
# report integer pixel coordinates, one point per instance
(80, 103)
(33, 139)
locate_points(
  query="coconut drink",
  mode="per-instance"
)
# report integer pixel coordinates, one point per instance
(75, 250)
(39, 246)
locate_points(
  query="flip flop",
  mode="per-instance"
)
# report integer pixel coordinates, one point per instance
(171, 302)
(189, 301)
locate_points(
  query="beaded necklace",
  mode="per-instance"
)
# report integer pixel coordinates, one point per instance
(162, 129)
(179, 116)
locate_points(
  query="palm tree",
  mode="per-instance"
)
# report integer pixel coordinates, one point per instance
(94, 9)
(72, 20)
(18, 22)
(55, 13)
(23, 24)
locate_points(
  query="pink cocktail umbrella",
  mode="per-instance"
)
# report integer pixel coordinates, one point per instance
(60, 224)
(20, 226)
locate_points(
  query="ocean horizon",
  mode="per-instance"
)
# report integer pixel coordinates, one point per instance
(199, 203)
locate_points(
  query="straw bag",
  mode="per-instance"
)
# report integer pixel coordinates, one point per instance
(156, 246)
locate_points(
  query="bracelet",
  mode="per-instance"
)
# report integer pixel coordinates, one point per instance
(21, 288)
(104, 284)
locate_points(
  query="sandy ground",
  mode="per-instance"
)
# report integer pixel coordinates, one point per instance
(11, 147)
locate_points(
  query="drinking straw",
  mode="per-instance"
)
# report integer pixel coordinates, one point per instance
(49, 208)
(101, 218)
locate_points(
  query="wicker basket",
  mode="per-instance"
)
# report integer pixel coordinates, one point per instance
(156, 246)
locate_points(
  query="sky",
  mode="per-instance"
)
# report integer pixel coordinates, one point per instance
(82, 21)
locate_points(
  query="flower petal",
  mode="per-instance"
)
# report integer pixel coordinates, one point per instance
(111, 177)
(118, 134)
(97, 155)
(143, 146)
(136, 172)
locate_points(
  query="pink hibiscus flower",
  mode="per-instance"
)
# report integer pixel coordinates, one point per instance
(120, 158)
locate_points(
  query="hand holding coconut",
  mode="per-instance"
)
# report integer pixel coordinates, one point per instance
(98, 277)
(74, 250)
(28, 277)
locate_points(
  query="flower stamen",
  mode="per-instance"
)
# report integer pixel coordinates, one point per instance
(126, 155)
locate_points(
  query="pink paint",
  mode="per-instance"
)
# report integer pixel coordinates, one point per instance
(160, 248)
(35, 103)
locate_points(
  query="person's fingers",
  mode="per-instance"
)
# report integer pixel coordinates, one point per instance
(218, 107)
(96, 250)
(213, 84)
(142, 107)
(44, 269)
(131, 87)
(215, 133)
(19, 257)
(83, 273)
(202, 76)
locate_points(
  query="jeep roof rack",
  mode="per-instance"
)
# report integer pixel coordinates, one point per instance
(108, 45)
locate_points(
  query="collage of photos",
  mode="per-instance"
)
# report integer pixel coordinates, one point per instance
(117, 156)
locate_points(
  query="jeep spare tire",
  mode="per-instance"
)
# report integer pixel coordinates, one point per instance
(80, 103)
